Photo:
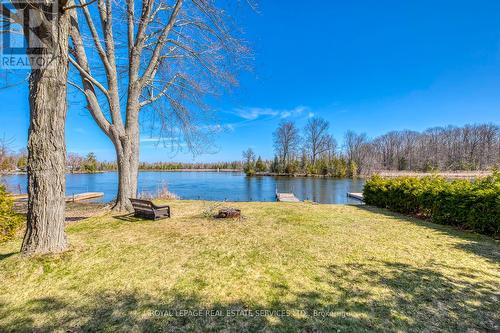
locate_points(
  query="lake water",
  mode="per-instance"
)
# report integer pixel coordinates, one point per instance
(218, 186)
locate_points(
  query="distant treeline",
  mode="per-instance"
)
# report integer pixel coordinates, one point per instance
(12, 162)
(92, 165)
(236, 165)
(313, 150)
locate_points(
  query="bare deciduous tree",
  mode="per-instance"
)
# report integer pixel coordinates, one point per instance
(75, 162)
(331, 147)
(317, 139)
(45, 26)
(356, 149)
(249, 161)
(5, 147)
(286, 141)
(472, 147)
(173, 54)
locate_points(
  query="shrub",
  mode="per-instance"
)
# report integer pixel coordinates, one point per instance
(10, 222)
(260, 166)
(353, 169)
(473, 205)
(292, 167)
(249, 171)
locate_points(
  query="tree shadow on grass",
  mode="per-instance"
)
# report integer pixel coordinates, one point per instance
(477, 244)
(377, 297)
(129, 218)
(7, 255)
(419, 299)
(75, 219)
(117, 312)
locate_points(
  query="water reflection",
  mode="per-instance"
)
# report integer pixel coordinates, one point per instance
(232, 186)
(322, 190)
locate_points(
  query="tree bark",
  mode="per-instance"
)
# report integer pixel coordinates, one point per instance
(46, 146)
(128, 169)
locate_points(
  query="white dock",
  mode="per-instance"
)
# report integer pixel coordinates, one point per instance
(71, 198)
(357, 196)
(286, 197)
(84, 196)
(19, 197)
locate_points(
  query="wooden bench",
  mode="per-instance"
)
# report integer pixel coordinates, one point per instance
(147, 209)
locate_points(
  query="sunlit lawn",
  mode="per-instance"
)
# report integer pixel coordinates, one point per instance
(284, 267)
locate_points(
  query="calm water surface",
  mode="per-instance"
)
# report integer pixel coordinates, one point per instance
(219, 186)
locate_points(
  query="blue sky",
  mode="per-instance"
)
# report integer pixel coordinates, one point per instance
(369, 66)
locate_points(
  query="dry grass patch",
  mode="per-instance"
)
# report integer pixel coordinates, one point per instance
(283, 268)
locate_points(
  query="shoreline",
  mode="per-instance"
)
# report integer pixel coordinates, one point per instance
(17, 173)
(445, 174)
(191, 170)
(383, 173)
(387, 174)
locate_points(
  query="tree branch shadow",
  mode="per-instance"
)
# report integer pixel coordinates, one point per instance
(404, 298)
(7, 255)
(422, 299)
(477, 244)
(128, 218)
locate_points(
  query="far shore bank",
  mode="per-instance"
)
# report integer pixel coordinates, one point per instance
(191, 170)
(13, 173)
(445, 174)
(383, 173)
(389, 174)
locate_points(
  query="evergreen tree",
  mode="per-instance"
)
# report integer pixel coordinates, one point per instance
(249, 161)
(260, 166)
(90, 164)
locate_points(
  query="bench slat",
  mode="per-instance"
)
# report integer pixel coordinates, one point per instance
(142, 206)
(144, 210)
(147, 209)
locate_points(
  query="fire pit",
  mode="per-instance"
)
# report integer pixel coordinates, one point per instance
(228, 213)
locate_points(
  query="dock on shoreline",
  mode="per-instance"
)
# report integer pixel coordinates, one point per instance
(357, 196)
(286, 197)
(71, 198)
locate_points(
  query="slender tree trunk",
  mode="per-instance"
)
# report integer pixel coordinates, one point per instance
(46, 148)
(128, 154)
(134, 158)
(124, 183)
(128, 169)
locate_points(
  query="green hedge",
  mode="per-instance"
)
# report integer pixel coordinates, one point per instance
(473, 205)
(10, 222)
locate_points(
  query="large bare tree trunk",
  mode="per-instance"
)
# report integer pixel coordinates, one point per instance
(125, 180)
(128, 168)
(46, 147)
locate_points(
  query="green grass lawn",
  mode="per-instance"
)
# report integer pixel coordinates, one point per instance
(284, 268)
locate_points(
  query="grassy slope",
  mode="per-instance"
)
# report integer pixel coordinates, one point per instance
(359, 269)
